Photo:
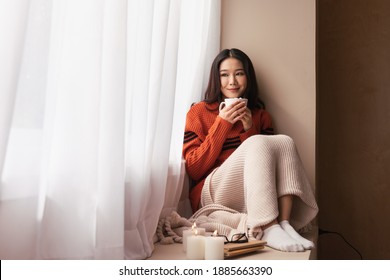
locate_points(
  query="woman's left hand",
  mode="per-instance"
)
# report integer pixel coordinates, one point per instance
(246, 119)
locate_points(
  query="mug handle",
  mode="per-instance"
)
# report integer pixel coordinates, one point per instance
(221, 105)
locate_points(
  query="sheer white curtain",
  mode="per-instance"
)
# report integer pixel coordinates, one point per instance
(93, 100)
(62, 177)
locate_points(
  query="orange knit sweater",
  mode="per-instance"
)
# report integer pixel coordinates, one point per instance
(209, 140)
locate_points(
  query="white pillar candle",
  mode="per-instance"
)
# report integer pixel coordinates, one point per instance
(188, 232)
(195, 247)
(214, 246)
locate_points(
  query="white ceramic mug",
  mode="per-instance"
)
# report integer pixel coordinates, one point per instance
(229, 101)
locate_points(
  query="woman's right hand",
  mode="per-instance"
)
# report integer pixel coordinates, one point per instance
(233, 112)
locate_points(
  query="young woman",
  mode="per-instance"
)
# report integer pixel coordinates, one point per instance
(236, 161)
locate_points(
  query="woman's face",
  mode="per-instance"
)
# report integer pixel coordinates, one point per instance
(233, 78)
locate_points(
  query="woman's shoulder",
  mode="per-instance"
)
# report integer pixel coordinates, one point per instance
(265, 113)
(262, 119)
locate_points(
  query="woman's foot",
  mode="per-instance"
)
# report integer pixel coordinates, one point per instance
(279, 239)
(307, 244)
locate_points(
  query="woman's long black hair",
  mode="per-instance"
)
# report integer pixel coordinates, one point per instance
(213, 92)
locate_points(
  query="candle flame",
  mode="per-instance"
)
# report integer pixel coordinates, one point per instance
(196, 232)
(193, 226)
(215, 233)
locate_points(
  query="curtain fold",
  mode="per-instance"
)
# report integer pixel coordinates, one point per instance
(13, 25)
(91, 123)
(81, 179)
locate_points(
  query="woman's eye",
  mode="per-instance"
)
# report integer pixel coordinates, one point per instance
(240, 74)
(224, 75)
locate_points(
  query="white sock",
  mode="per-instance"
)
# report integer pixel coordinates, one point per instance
(307, 244)
(278, 239)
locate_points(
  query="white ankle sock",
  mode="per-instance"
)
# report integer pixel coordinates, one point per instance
(307, 244)
(278, 239)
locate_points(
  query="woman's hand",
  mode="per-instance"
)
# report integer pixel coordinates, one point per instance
(237, 112)
(246, 119)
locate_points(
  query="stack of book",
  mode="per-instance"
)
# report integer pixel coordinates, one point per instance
(237, 249)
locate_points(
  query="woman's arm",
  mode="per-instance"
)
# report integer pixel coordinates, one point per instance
(201, 151)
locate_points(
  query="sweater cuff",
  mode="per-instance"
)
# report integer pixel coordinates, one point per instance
(224, 125)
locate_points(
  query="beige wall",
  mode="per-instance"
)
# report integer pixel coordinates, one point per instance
(279, 37)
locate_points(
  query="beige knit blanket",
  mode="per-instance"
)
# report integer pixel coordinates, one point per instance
(212, 217)
(260, 171)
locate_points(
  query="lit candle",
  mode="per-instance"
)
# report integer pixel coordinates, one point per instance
(188, 232)
(214, 246)
(195, 246)
(201, 231)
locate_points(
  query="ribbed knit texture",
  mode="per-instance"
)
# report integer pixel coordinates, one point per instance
(251, 180)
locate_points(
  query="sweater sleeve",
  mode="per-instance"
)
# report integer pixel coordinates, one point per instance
(201, 149)
(266, 126)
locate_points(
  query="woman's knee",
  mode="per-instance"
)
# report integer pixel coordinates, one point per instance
(257, 139)
(285, 139)
(255, 142)
(287, 142)
(279, 141)
(271, 138)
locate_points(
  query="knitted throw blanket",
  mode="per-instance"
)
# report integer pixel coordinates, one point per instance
(261, 169)
(212, 217)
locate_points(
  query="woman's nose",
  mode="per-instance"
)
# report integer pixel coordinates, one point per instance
(232, 80)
